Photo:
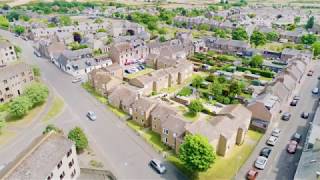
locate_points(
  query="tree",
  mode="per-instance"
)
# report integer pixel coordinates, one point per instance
(197, 81)
(297, 19)
(216, 88)
(239, 34)
(256, 61)
(220, 33)
(19, 106)
(4, 23)
(37, 93)
(196, 153)
(36, 71)
(51, 127)
(79, 138)
(65, 20)
(162, 39)
(310, 23)
(195, 106)
(291, 27)
(257, 38)
(13, 16)
(308, 39)
(316, 48)
(272, 36)
(236, 88)
(19, 29)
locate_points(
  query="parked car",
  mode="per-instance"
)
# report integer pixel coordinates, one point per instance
(142, 67)
(158, 166)
(276, 132)
(294, 103)
(292, 147)
(315, 90)
(127, 71)
(77, 79)
(296, 137)
(305, 115)
(310, 73)
(286, 116)
(265, 152)
(92, 116)
(272, 140)
(261, 162)
(318, 77)
(296, 97)
(252, 174)
(37, 53)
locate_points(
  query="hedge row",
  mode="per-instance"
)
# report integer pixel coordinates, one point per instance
(263, 73)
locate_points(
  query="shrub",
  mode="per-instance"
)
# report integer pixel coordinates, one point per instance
(263, 73)
(20, 106)
(79, 138)
(37, 93)
(186, 91)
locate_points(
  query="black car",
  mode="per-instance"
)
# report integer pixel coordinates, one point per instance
(265, 152)
(294, 103)
(305, 115)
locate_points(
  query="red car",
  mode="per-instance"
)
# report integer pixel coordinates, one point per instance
(252, 174)
(292, 147)
(310, 73)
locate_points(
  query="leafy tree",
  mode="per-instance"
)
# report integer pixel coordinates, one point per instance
(13, 16)
(308, 39)
(236, 87)
(310, 23)
(19, 29)
(197, 81)
(196, 153)
(162, 31)
(195, 106)
(186, 91)
(19, 106)
(316, 48)
(297, 19)
(51, 127)
(24, 18)
(220, 33)
(256, 61)
(257, 38)
(79, 138)
(216, 88)
(4, 23)
(291, 27)
(162, 39)
(272, 36)
(65, 20)
(37, 93)
(36, 71)
(239, 34)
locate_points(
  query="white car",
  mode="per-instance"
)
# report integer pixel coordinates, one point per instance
(77, 79)
(315, 90)
(276, 132)
(92, 116)
(272, 140)
(261, 162)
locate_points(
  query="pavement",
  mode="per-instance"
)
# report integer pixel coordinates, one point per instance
(282, 165)
(126, 154)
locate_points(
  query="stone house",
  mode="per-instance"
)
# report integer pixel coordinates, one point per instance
(122, 97)
(159, 115)
(7, 53)
(141, 111)
(227, 46)
(102, 81)
(261, 116)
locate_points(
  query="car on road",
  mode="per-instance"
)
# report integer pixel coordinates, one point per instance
(292, 147)
(318, 77)
(315, 90)
(252, 174)
(305, 115)
(294, 103)
(158, 166)
(92, 116)
(286, 116)
(272, 140)
(276, 132)
(261, 162)
(296, 97)
(310, 72)
(78, 79)
(265, 152)
(296, 137)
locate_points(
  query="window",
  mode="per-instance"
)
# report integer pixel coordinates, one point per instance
(165, 140)
(165, 131)
(73, 173)
(7, 89)
(5, 81)
(60, 164)
(62, 175)
(69, 152)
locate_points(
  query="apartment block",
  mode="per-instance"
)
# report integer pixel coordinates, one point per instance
(7, 53)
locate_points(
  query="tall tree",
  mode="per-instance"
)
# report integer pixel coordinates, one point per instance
(195, 106)
(272, 36)
(19, 106)
(239, 34)
(257, 38)
(19, 29)
(256, 61)
(196, 153)
(310, 23)
(197, 80)
(79, 138)
(308, 39)
(37, 93)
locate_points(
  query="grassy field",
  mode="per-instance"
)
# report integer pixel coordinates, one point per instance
(55, 109)
(139, 73)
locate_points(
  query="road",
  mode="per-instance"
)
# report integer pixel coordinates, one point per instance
(282, 165)
(126, 153)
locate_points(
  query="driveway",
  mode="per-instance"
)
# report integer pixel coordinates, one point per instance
(126, 153)
(282, 165)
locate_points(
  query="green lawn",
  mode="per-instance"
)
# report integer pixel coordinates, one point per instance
(92, 91)
(224, 167)
(117, 111)
(151, 137)
(139, 73)
(55, 109)
(265, 78)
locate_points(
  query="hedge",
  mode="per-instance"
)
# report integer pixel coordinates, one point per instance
(263, 73)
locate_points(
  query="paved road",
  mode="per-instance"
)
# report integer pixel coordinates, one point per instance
(282, 165)
(126, 153)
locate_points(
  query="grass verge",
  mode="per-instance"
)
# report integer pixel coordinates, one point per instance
(93, 92)
(6, 136)
(55, 109)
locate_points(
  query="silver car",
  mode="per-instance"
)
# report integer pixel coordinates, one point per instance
(92, 116)
(276, 132)
(158, 166)
(272, 140)
(261, 162)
